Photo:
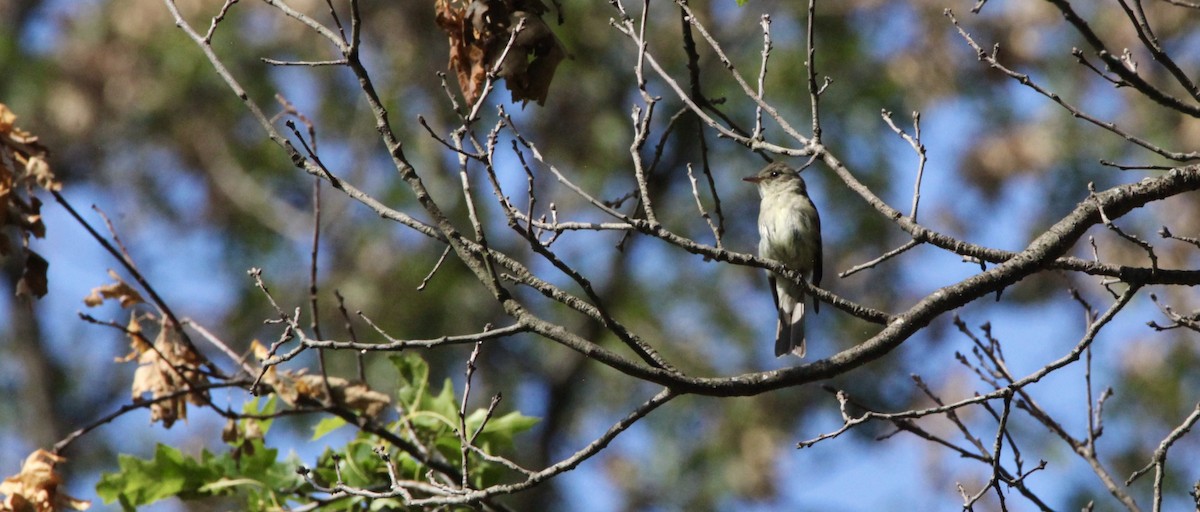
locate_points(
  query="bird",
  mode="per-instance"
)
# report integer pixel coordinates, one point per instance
(789, 231)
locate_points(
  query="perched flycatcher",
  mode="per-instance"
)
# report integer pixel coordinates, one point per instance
(789, 231)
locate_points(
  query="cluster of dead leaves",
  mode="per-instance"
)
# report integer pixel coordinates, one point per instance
(23, 166)
(167, 367)
(480, 31)
(170, 366)
(36, 487)
(300, 388)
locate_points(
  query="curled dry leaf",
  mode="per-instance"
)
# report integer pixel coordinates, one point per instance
(357, 396)
(23, 166)
(479, 32)
(231, 432)
(33, 278)
(22, 157)
(310, 389)
(467, 60)
(38, 170)
(119, 290)
(530, 64)
(167, 367)
(36, 487)
(298, 388)
(137, 340)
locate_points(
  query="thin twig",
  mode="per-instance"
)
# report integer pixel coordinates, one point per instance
(463, 440)
(700, 206)
(217, 19)
(1108, 223)
(914, 141)
(886, 256)
(435, 268)
(765, 22)
(810, 68)
(349, 326)
(1023, 79)
(127, 262)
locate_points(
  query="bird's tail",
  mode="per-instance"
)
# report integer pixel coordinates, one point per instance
(789, 332)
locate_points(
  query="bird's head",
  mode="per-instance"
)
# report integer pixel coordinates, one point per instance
(776, 176)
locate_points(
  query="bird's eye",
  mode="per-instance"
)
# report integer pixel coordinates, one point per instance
(774, 174)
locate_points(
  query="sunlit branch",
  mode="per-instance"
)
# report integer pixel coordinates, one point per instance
(810, 68)
(729, 65)
(762, 75)
(696, 108)
(1137, 18)
(145, 404)
(1159, 460)
(1024, 79)
(914, 141)
(882, 258)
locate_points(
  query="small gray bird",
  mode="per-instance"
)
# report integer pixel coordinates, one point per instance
(789, 231)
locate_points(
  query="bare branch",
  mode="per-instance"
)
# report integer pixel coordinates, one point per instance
(1024, 79)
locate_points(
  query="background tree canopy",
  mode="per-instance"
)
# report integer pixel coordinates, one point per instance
(531, 284)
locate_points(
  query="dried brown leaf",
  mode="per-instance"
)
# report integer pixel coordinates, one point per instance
(230, 433)
(167, 368)
(529, 66)
(137, 341)
(22, 158)
(36, 487)
(480, 31)
(363, 399)
(119, 290)
(466, 56)
(38, 170)
(299, 389)
(22, 165)
(7, 118)
(33, 278)
(31, 220)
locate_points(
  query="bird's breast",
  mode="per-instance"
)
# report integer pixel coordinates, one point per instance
(787, 228)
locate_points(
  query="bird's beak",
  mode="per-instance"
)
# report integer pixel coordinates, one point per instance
(752, 179)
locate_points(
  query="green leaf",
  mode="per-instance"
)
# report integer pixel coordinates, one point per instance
(169, 473)
(360, 465)
(414, 378)
(386, 504)
(507, 425)
(252, 471)
(258, 462)
(227, 483)
(445, 404)
(327, 425)
(267, 409)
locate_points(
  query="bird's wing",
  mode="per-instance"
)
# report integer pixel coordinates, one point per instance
(817, 258)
